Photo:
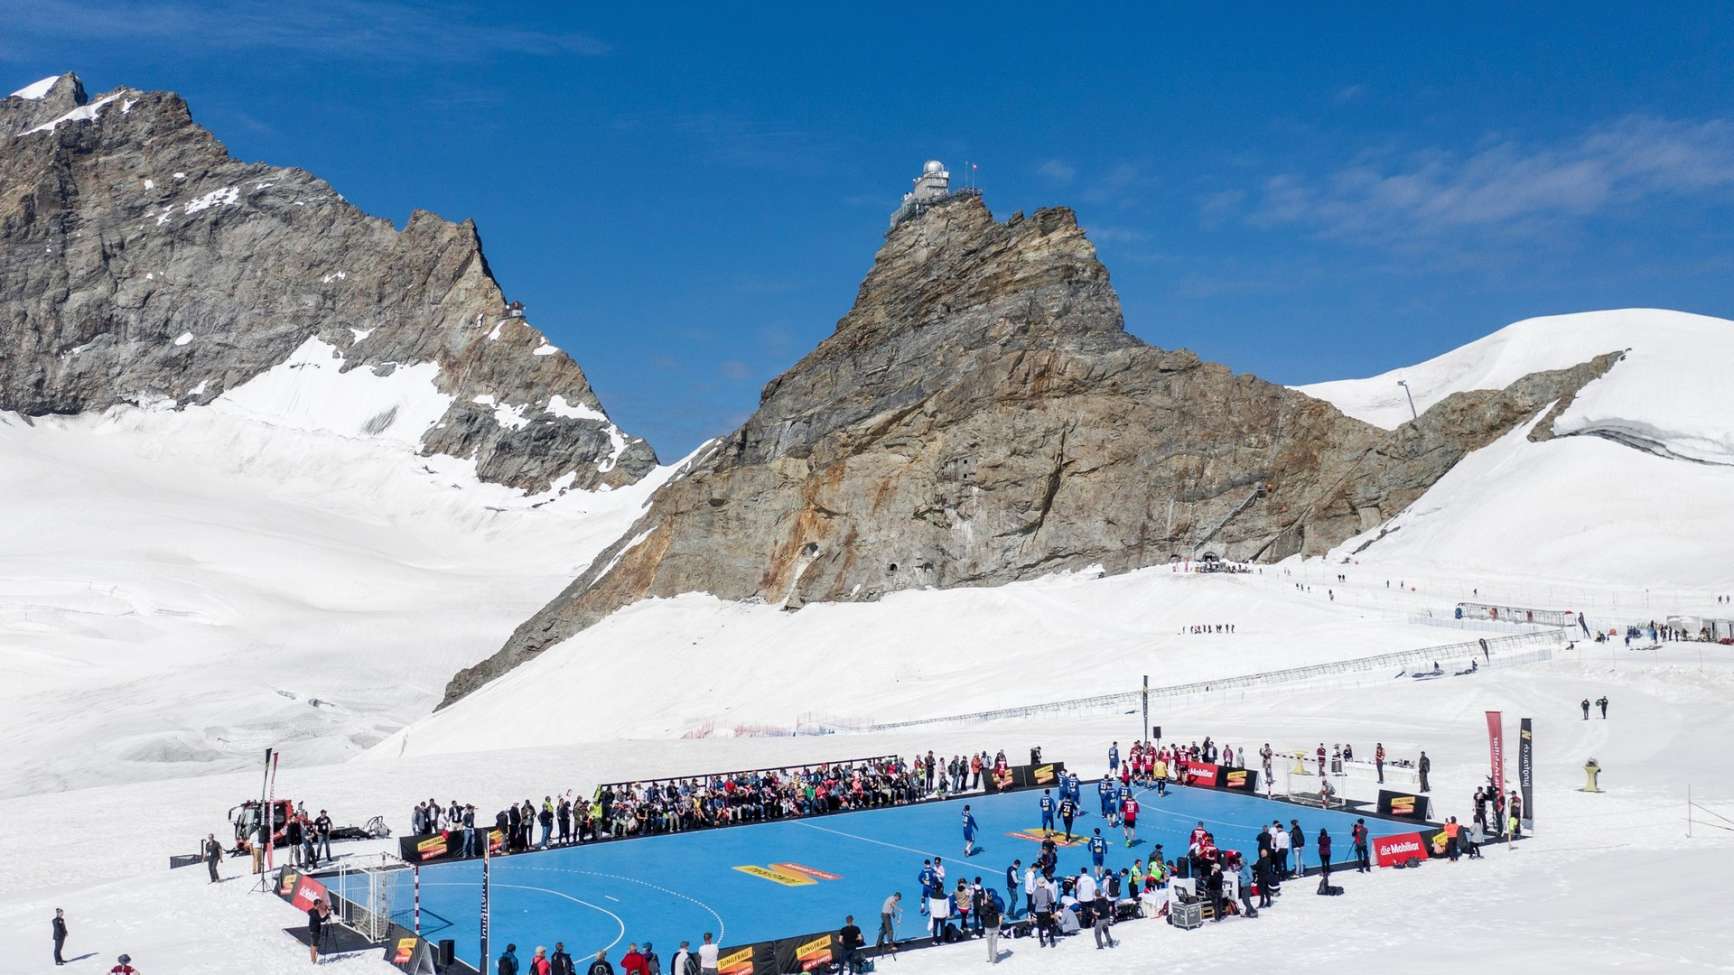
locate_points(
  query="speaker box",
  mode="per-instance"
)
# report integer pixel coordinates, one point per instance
(448, 953)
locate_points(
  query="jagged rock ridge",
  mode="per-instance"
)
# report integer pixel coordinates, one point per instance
(981, 416)
(140, 263)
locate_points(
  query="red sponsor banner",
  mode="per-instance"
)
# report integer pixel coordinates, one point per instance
(1200, 773)
(806, 870)
(1496, 749)
(1393, 851)
(307, 890)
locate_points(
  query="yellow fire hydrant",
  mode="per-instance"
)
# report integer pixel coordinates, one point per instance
(1591, 770)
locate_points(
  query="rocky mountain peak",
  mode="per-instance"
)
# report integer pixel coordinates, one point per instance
(980, 416)
(141, 263)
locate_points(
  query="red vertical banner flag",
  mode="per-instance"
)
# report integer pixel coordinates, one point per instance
(1496, 749)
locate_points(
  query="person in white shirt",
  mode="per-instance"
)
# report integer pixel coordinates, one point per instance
(682, 958)
(707, 956)
(1030, 880)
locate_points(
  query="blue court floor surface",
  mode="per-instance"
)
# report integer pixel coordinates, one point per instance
(790, 877)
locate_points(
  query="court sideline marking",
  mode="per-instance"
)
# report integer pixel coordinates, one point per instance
(869, 839)
(618, 935)
(721, 926)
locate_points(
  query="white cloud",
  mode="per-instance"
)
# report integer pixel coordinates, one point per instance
(338, 29)
(1506, 184)
(1058, 170)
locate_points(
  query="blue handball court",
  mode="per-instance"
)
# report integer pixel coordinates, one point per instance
(780, 879)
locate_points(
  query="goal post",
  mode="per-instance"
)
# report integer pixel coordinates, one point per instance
(366, 890)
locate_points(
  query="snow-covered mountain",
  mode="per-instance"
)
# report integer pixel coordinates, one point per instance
(271, 469)
(1634, 486)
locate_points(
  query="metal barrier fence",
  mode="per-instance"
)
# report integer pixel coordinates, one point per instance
(1476, 625)
(1518, 648)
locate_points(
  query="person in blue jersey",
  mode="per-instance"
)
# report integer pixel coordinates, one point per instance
(1098, 851)
(1113, 759)
(1105, 795)
(1047, 804)
(928, 881)
(969, 828)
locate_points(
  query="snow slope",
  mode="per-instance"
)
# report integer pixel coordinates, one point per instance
(1633, 490)
(179, 589)
(911, 655)
(1668, 391)
(1579, 509)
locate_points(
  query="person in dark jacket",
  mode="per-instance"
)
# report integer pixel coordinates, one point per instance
(1363, 862)
(561, 961)
(59, 935)
(508, 961)
(1213, 890)
(317, 915)
(1266, 872)
(1324, 856)
(600, 966)
(213, 855)
(1424, 766)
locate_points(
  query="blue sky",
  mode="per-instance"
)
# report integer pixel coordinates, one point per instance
(687, 196)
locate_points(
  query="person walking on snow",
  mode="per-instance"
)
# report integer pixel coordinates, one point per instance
(1585, 707)
(213, 855)
(1424, 766)
(1602, 702)
(969, 828)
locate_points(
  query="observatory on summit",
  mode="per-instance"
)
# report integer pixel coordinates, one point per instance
(932, 186)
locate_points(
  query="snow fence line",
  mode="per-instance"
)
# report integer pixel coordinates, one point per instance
(1519, 648)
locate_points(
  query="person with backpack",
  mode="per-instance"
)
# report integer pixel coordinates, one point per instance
(1324, 857)
(560, 963)
(508, 964)
(539, 963)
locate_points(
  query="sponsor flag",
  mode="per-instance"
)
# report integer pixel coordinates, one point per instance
(1526, 773)
(485, 848)
(1496, 749)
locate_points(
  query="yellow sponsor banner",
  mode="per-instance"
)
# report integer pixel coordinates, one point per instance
(737, 962)
(1043, 774)
(814, 953)
(778, 876)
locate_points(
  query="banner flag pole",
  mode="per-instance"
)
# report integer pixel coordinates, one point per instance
(487, 844)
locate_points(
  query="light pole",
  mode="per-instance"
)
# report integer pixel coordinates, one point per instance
(1405, 384)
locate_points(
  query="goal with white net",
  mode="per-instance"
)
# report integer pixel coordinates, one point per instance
(365, 895)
